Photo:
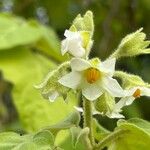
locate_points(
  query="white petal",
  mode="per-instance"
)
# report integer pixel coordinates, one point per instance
(92, 91)
(76, 50)
(127, 100)
(73, 44)
(145, 91)
(79, 64)
(71, 80)
(70, 34)
(108, 66)
(96, 112)
(112, 86)
(52, 97)
(119, 105)
(64, 47)
(79, 109)
(115, 115)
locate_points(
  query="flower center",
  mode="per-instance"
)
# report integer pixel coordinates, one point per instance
(92, 75)
(137, 93)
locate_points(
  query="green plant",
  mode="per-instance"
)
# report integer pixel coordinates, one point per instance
(78, 78)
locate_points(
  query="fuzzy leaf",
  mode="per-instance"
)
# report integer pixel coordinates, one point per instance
(136, 137)
(41, 141)
(24, 69)
(15, 31)
(80, 136)
(72, 120)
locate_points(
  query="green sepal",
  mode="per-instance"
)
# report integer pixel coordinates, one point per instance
(132, 45)
(105, 103)
(84, 23)
(130, 80)
(71, 121)
(50, 84)
(73, 28)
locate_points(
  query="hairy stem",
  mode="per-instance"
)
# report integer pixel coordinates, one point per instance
(87, 108)
(108, 139)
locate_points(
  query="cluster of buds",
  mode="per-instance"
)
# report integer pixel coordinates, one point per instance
(95, 78)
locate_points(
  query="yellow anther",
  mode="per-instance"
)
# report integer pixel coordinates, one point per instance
(137, 93)
(92, 75)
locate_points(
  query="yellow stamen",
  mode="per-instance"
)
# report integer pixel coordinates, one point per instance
(137, 93)
(92, 75)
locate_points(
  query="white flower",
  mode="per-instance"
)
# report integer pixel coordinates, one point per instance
(134, 93)
(93, 78)
(131, 95)
(73, 44)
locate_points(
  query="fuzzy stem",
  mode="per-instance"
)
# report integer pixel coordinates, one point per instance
(87, 108)
(108, 139)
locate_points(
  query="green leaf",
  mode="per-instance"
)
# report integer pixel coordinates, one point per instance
(72, 120)
(49, 43)
(15, 31)
(136, 137)
(43, 137)
(66, 143)
(25, 69)
(41, 141)
(99, 131)
(80, 136)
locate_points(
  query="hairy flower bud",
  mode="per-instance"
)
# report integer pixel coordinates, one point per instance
(132, 45)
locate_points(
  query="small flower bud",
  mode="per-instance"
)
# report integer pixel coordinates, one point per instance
(132, 45)
(50, 88)
(84, 23)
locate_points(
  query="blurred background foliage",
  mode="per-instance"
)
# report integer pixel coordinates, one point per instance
(33, 48)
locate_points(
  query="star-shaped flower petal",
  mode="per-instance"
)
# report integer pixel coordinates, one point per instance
(134, 93)
(93, 78)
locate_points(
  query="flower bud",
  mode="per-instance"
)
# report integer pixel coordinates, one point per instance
(50, 87)
(132, 45)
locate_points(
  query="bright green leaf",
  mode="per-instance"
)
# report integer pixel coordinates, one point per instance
(136, 137)
(25, 69)
(72, 120)
(99, 131)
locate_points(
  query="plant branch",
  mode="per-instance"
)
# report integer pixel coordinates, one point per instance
(111, 137)
(87, 107)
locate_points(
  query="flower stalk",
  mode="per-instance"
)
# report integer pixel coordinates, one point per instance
(87, 108)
